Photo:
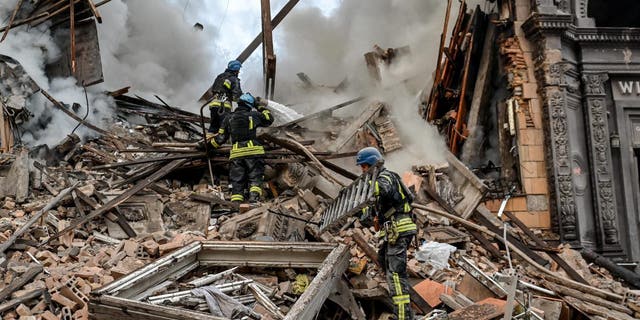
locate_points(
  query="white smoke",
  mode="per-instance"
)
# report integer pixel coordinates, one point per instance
(150, 47)
(34, 48)
(154, 48)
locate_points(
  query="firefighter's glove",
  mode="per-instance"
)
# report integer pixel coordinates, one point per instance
(366, 217)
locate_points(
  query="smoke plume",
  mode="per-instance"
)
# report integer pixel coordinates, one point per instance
(154, 49)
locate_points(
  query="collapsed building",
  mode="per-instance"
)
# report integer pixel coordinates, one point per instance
(127, 225)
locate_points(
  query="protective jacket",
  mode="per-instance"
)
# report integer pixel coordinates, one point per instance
(393, 210)
(225, 89)
(393, 206)
(247, 163)
(241, 127)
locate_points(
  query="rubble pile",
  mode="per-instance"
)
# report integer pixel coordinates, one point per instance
(134, 221)
(91, 228)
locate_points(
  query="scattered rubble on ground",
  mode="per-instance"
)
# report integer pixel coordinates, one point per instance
(130, 225)
(127, 225)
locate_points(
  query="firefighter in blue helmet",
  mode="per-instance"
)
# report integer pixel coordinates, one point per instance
(392, 217)
(247, 154)
(224, 90)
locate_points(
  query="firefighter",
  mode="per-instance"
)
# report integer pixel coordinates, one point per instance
(247, 154)
(391, 216)
(224, 90)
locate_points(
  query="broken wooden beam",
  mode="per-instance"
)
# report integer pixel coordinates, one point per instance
(563, 264)
(11, 304)
(559, 289)
(62, 108)
(13, 16)
(547, 273)
(20, 281)
(274, 23)
(211, 199)
(121, 198)
(72, 33)
(5, 245)
(322, 112)
(299, 149)
(148, 160)
(94, 10)
(513, 240)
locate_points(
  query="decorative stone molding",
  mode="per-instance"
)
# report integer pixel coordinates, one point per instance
(560, 160)
(547, 23)
(600, 154)
(582, 8)
(601, 35)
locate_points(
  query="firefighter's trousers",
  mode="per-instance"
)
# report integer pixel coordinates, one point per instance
(393, 258)
(246, 172)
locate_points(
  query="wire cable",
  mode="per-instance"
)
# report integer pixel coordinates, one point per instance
(86, 97)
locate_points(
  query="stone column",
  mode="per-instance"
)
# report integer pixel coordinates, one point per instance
(604, 199)
(559, 164)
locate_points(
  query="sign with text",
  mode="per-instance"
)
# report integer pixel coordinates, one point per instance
(626, 88)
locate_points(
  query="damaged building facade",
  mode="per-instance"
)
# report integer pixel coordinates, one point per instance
(556, 84)
(586, 65)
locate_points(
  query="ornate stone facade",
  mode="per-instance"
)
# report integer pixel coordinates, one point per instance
(593, 186)
(560, 161)
(604, 196)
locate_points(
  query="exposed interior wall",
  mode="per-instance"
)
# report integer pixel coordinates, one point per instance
(532, 207)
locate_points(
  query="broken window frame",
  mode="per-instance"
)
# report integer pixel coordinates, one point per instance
(331, 260)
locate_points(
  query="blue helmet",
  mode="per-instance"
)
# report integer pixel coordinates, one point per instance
(234, 65)
(248, 99)
(368, 155)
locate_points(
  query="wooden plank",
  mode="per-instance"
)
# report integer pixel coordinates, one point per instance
(72, 33)
(13, 16)
(630, 277)
(329, 273)
(88, 65)
(121, 198)
(148, 160)
(324, 112)
(110, 307)
(34, 218)
(23, 299)
(516, 242)
(595, 309)
(450, 302)
(481, 94)
(62, 108)
(257, 40)
(541, 271)
(20, 281)
(268, 55)
(469, 184)
(94, 10)
(4, 145)
(211, 199)
(563, 264)
(559, 289)
(356, 124)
